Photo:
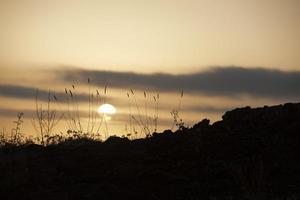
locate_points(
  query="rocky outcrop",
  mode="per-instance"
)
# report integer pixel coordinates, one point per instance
(252, 153)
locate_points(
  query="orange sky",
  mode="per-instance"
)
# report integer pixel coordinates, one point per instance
(168, 36)
(150, 36)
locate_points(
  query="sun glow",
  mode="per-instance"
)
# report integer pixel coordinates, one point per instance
(107, 109)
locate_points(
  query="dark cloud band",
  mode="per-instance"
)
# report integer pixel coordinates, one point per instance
(226, 81)
(21, 92)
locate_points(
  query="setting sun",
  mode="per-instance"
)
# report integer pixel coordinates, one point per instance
(107, 109)
(149, 99)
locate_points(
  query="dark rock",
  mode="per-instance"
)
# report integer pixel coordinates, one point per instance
(204, 124)
(167, 132)
(253, 153)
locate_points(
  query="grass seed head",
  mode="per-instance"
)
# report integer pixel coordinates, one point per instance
(71, 93)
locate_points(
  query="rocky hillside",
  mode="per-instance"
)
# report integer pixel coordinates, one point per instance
(249, 154)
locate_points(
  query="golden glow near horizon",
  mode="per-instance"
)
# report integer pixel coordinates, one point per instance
(142, 36)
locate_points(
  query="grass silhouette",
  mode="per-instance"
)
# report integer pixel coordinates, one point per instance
(177, 120)
(143, 117)
(146, 121)
(249, 154)
(46, 119)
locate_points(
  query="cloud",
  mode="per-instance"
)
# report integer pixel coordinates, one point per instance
(17, 91)
(218, 81)
(21, 92)
(5, 112)
(122, 118)
(207, 109)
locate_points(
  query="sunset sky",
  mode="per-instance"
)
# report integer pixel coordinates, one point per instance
(222, 54)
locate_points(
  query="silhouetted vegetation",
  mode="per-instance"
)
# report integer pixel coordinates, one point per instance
(144, 122)
(249, 154)
(73, 116)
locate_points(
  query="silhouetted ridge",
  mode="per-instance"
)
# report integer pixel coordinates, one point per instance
(252, 153)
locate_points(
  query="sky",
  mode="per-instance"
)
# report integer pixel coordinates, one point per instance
(222, 54)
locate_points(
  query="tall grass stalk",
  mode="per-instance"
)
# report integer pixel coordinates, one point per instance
(74, 118)
(2, 137)
(130, 114)
(45, 120)
(177, 120)
(146, 122)
(89, 119)
(99, 122)
(104, 115)
(156, 99)
(16, 135)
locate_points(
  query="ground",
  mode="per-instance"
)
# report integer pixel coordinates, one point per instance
(249, 154)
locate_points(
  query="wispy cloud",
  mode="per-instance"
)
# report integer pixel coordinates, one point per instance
(226, 81)
(122, 118)
(21, 92)
(219, 81)
(15, 91)
(206, 109)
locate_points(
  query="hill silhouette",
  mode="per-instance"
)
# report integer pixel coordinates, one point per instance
(249, 154)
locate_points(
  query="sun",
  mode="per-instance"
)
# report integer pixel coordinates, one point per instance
(107, 109)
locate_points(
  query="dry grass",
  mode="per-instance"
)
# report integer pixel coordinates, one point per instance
(175, 113)
(16, 136)
(45, 119)
(141, 119)
(74, 116)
